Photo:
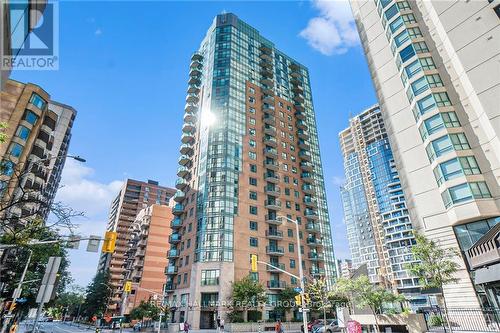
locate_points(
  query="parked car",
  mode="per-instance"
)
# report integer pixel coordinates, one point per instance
(331, 326)
(310, 325)
(137, 326)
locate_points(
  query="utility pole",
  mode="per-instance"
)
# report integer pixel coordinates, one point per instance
(17, 293)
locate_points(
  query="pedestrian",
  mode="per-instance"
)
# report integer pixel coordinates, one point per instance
(218, 323)
(186, 327)
(279, 327)
(13, 328)
(222, 325)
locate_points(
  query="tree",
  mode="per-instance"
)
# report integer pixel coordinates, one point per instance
(435, 267)
(366, 294)
(286, 300)
(97, 295)
(69, 302)
(146, 310)
(247, 294)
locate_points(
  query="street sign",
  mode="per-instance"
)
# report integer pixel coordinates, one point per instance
(48, 280)
(74, 242)
(93, 244)
(297, 289)
(21, 300)
(304, 310)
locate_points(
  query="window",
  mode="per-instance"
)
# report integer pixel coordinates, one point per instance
(252, 143)
(413, 68)
(15, 149)
(185, 279)
(254, 242)
(251, 90)
(442, 99)
(7, 168)
(438, 147)
(22, 132)
(409, 18)
(426, 104)
(464, 192)
(251, 99)
(253, 225)
(434, 80)
(396, 24)
(419, 86)
(469, 165)
(407, 53)
(480, 190)
(427, 63)
(385, 3)
(391, 11)
(30, 117)
(254, 276)
(252, 195)
(253, 210)
(290, 233)
(251, 131)
(291, 247)
(431, 126)
(414, 33)
(251, 110)
(252, 121)
(252, 181)
(293, 280)
(450, 119)
(403, 5)
(448, 170)
(210, 277)
(420, 47)
(252, 155)
(38, 101)
(292, 263)
(459, 141)
(401, 38)
(209, 299)
(253, 168)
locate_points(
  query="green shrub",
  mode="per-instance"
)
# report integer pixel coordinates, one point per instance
(435, 320)
(235, 317)
(254, 316)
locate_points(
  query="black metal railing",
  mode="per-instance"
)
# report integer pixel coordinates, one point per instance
(463, 319)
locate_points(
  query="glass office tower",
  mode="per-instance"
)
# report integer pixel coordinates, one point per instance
(249, 154)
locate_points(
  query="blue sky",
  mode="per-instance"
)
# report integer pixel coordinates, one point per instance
(124, 68)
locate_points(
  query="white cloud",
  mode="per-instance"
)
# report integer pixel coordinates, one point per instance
(81, 193)
(338, 181)
(98, 32)
(333, 31)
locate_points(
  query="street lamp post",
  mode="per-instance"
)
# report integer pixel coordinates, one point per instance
(301, 271)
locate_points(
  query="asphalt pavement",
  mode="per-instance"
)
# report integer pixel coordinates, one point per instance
(66, 327)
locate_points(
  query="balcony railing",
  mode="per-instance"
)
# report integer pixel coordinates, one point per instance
(276, 284)
(274, 234)
(276, 250)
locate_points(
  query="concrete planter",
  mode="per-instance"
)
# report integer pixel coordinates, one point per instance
(264, 327)
(414, 322)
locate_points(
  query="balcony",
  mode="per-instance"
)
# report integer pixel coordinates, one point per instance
(301, 125)
(192, 98)
(186, 149)
(304, 145)
(306, 175)
(273, 204)
(266, 64)
(312, 227)
(271, 178)
(271, 164)
(195, 72)
(276, 284)
(182, 171)
(190, 108)
(169, 287)
(265, 49)
(267, 81)
(274, 270)
(303, 134)
(273, 219)
(268, 99)
(269, 119)
(194, 80)
(306, 166)
(295, 73)
(267, 90)
(299, 107)
(271, 152)
(181, 183)
(196, 57)
(179, 196)
(184, 160)
(176, 223)
(178, 209)
(266, 57)
(267, 108)
(293, 66)
(274, 234)
(308, 188)
(193, 89)
(297, 89)
(310, 202)
(317, 271)
(174, 238)
(311, 214)
(267, 72)
(173, 253)
(313, 242)
(189, 117)
(272, 190)
(275, 250)
(188, 127)
(299, 98)
(305, 155)
(171, 270)
(314, 256)
(187, 138)
(300, 115)
(270, 141)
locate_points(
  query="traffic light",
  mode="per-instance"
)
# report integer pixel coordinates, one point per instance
(127, 287)
(253, 259)
(12, 306)
(298, 300)
(307, 298)
(109, 242)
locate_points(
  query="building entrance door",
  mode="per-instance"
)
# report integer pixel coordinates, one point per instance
(207, 320)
